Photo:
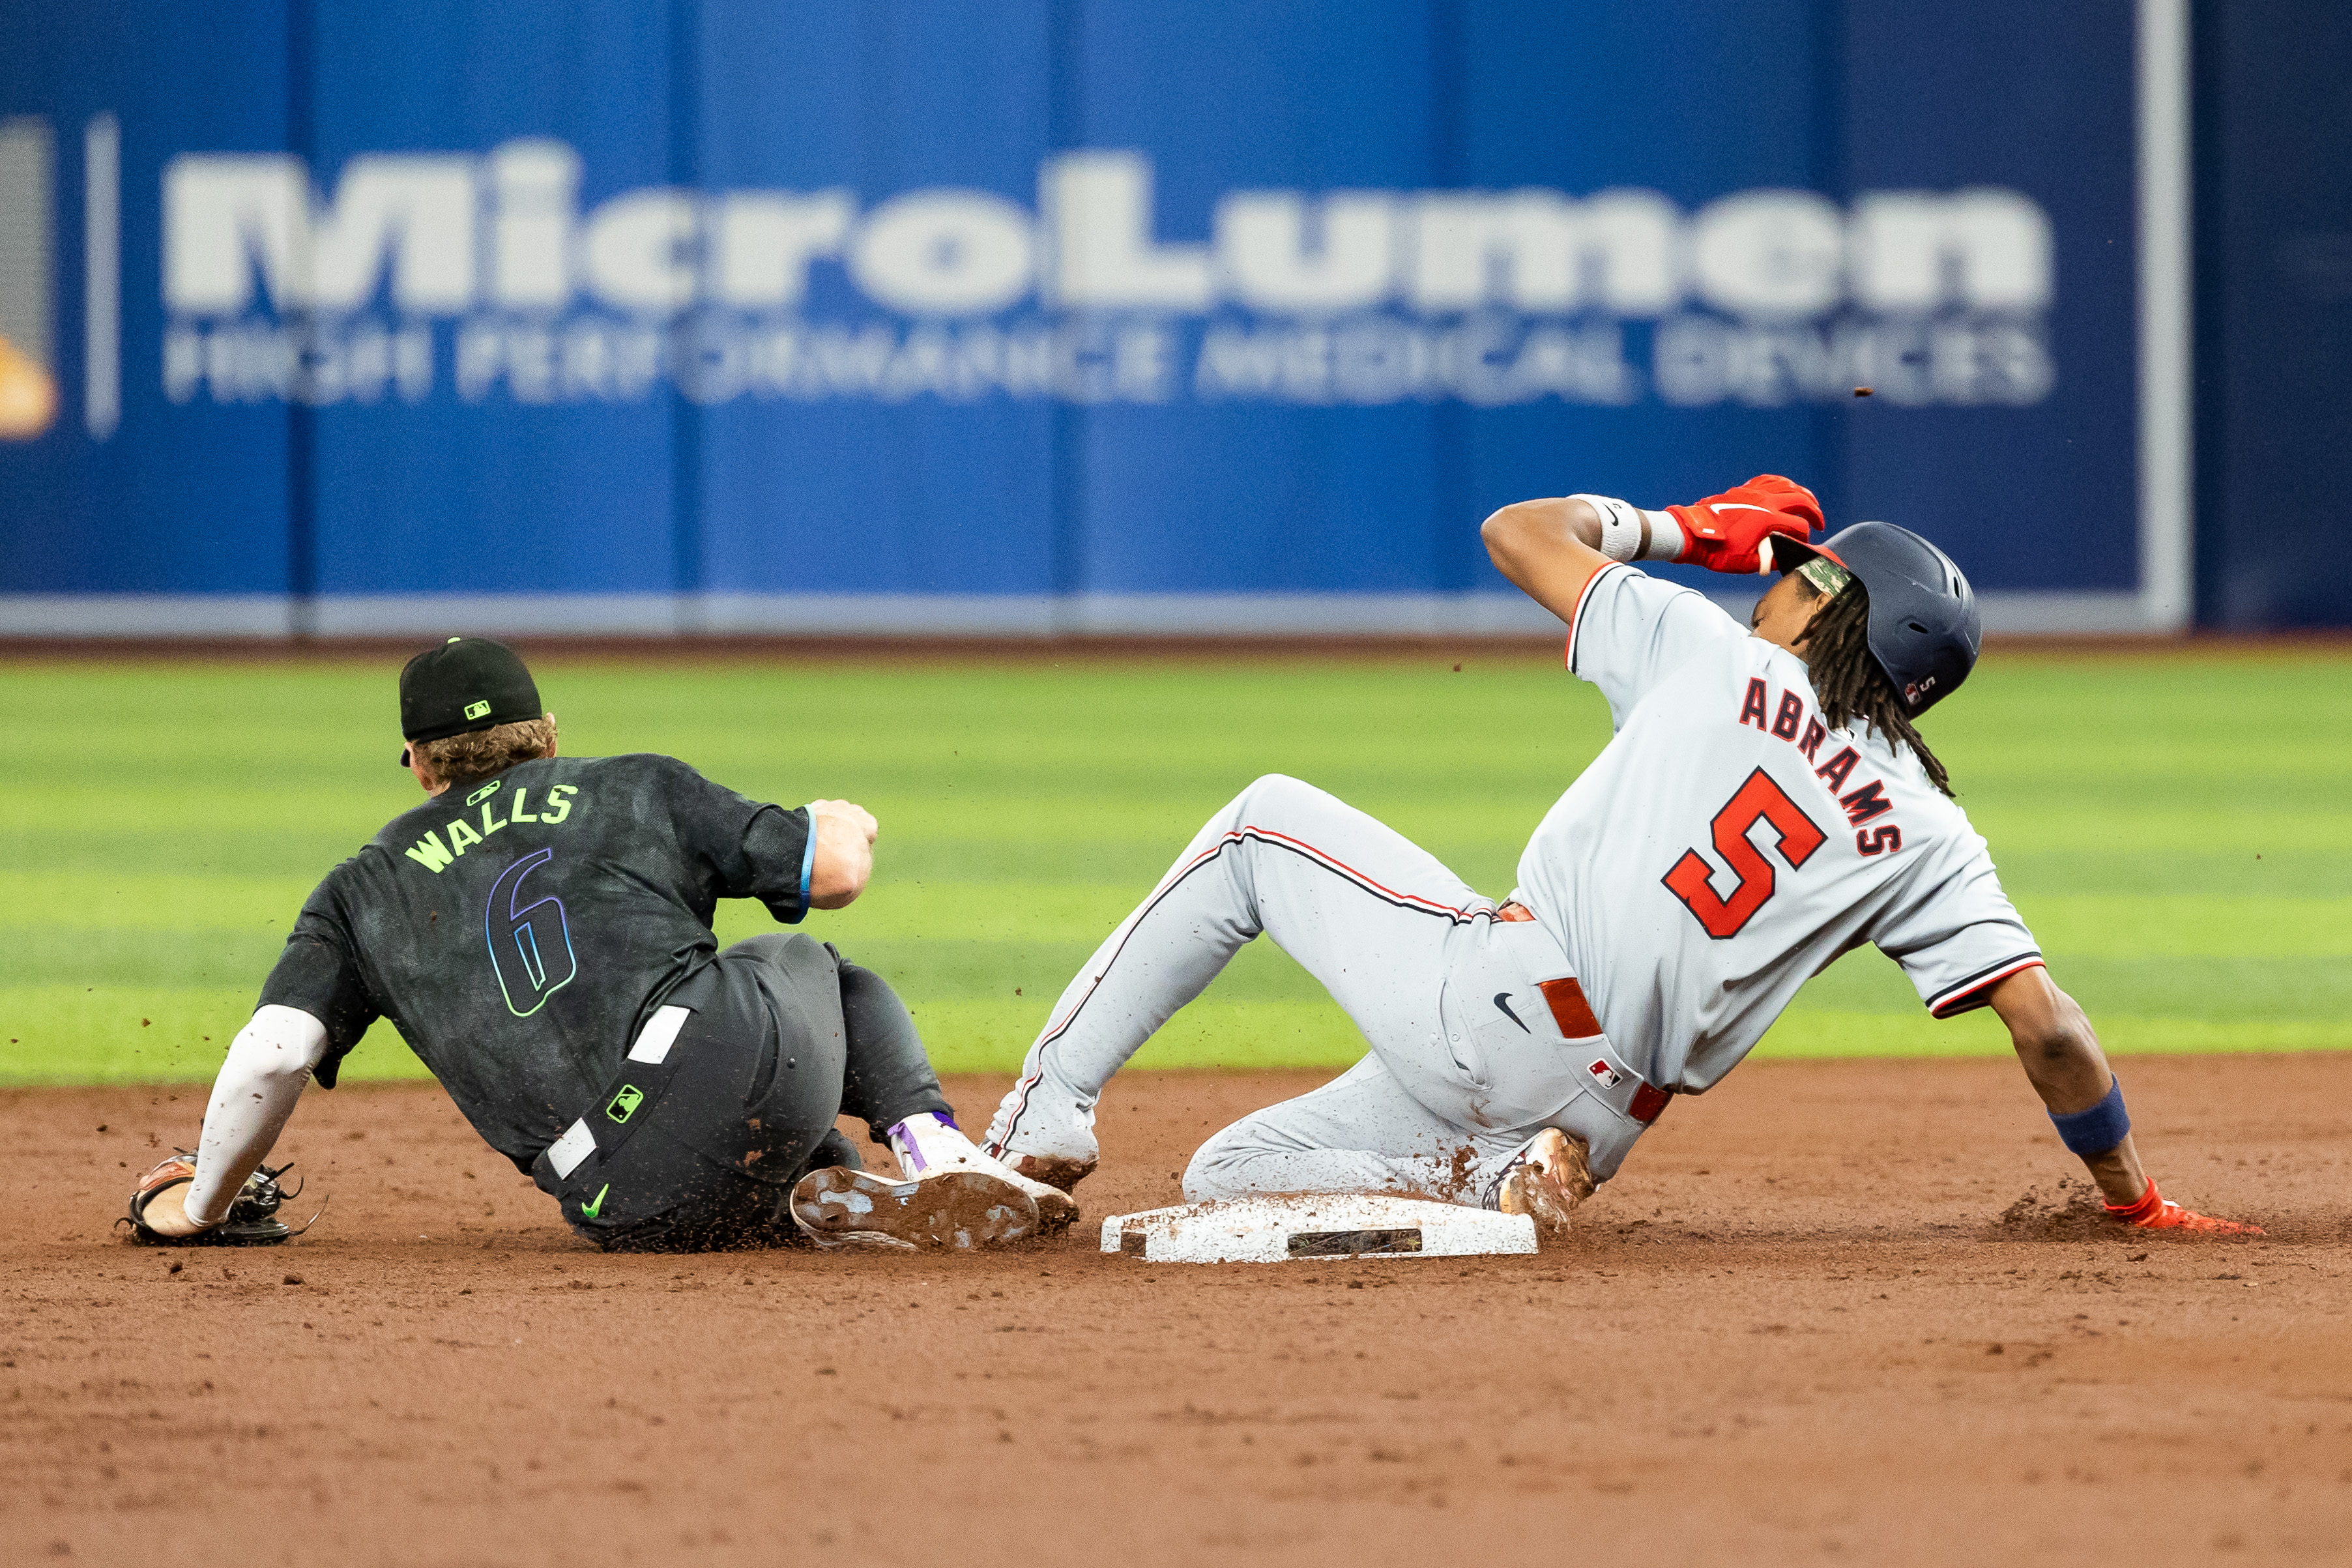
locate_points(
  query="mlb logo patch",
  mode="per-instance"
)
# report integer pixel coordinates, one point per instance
(1601, 1069)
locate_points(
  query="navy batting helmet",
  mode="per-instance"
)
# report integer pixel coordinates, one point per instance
(1924, 626)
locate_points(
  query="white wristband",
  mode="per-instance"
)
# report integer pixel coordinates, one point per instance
(1630, 533)
(1621, 525)
(1665, 537)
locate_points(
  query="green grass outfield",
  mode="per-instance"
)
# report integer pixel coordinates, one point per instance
(2176, 827)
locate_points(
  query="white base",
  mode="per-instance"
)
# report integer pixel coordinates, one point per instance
(1312, 1226)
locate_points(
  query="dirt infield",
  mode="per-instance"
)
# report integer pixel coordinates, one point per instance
(1836, 1312)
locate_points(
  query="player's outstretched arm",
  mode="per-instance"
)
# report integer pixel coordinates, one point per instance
(844, 856)
(267, 1066)
(2061, 1055)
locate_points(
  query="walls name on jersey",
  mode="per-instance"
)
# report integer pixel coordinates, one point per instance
(1791, 720)
(432, 854)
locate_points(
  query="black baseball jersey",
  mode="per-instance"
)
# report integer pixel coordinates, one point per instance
(520, 931)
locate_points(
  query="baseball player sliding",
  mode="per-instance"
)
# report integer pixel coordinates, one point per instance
(1764, 807)
(539, 930)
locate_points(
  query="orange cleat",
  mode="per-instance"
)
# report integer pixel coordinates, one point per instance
(2155, 1212)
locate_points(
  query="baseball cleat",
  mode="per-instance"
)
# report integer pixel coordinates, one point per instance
(1549, 1184)
(1056, 1210)
(1054, 1150)
(2155, 1212)
(929, 1142)
(955, 1211)
(1051, 1171)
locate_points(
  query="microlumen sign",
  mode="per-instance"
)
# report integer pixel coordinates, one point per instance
(483, 274)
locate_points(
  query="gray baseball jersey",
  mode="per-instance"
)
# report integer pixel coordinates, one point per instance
(1726, 845)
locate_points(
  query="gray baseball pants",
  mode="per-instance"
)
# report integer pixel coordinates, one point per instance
(1466, 1063)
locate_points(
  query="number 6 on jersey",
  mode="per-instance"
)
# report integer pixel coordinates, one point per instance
(1759, 800)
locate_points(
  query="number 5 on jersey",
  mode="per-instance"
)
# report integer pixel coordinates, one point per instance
(1759, 800)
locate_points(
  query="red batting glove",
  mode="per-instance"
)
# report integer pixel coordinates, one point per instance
(2155, 1212)
(1726, 532)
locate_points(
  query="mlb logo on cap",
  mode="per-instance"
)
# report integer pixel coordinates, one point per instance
(1605, 1072)
(475, 709)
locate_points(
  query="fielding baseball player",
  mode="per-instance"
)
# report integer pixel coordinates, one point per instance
(539, 932)
(1765, 806)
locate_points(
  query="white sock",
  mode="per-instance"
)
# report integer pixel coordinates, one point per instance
(929, 1141)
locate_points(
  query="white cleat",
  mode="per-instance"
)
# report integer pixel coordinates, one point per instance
(1057, 1172)
(1056, 1151)
(1056, 1210)
(952, 1210)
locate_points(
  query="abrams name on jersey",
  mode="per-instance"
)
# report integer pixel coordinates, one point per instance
(1865, 802)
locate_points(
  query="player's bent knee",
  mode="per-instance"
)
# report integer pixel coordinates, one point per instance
(790, 950)
(1234, 1163)
(1207, 1180)
(1216, 1171)
(1274, 786)
(1276, 797)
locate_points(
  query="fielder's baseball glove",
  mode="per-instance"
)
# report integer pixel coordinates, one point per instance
(252, 1219)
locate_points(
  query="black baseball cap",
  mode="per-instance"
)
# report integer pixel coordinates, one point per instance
(466, 684)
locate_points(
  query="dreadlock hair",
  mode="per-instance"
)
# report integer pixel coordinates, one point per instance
(1849, 680)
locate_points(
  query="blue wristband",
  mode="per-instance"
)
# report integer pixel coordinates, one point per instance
(808, 868)
(2095, 1131)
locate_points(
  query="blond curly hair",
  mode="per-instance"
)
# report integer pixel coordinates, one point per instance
(478, 753)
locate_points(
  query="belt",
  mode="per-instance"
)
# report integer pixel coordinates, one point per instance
(1574, 1015)
(620, 1110)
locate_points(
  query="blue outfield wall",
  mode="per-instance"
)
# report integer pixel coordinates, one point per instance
(1037, 315)
(2275, 311)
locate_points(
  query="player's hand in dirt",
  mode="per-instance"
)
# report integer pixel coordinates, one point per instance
(2155, 1212)
(1726, 532)
(1549, 1182)
(160, 1203)
(159, 1212)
